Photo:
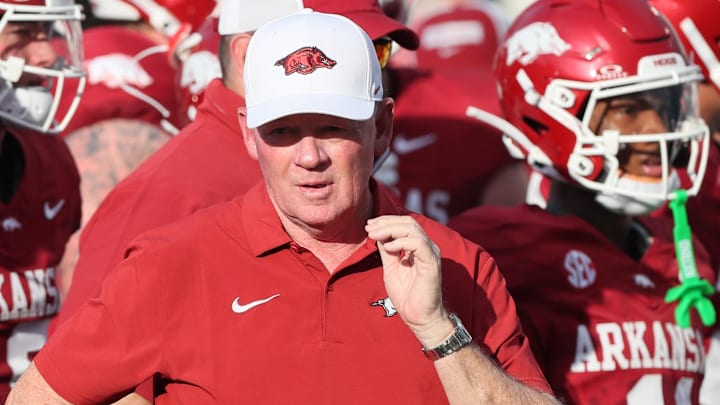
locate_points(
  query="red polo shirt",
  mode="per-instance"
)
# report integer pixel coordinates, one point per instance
(228, 310)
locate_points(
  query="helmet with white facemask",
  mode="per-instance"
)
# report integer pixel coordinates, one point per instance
(33, 80)
(560, 60)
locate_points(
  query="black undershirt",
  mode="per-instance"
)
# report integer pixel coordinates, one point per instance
(12, 167)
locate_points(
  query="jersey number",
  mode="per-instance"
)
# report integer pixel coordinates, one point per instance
(26, 339)
(648, 390)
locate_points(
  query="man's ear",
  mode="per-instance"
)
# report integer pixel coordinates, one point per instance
(233, 78)
(247, 133)
(238, 49)
(384, 125)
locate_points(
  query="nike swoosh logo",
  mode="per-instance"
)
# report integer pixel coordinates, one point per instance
(51, 212)
(240, 308)
(404, 146)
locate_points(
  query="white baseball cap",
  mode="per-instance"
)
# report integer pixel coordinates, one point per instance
(311, 62)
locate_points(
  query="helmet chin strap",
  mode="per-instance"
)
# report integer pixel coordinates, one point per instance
(693, 292)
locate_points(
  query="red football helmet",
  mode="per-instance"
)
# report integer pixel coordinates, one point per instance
(198, 65)
(696, 23)
(560, 59)
(36, 72)
(171, 17)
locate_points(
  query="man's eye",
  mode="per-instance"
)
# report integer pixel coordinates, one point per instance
(632, 107)
(279, 131)
(623, 109)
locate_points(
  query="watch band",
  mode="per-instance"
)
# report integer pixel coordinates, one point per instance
(460, 338)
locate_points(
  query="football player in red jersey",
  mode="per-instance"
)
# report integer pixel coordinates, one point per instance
(40, 59)
(128, 109)
(605, 102)
(695, 22)
(451, 70)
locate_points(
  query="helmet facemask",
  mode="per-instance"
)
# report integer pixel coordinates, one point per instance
(599, 158)
(31, 95)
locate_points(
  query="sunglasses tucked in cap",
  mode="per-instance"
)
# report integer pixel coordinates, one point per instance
(311, 63)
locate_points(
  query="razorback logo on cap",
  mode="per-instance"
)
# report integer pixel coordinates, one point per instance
(305, 61)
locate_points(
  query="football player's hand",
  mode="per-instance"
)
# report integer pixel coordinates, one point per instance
(412, 275)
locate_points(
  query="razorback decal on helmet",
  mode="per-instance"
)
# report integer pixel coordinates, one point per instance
(536, 39)
(305, 61)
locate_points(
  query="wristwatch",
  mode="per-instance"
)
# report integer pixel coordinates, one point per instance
(460, 338)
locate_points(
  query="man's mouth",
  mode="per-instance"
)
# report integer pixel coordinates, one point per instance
(318, 185)
(650, 163)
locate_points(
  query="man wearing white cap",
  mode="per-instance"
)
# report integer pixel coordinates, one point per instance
(313, 287)
(206, 163)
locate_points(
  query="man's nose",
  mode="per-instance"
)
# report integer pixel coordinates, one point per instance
(40, 53)
(309, 152)
(652, 122)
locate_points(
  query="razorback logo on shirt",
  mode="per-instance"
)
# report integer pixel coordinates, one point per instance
(11, 224)
(305, 61)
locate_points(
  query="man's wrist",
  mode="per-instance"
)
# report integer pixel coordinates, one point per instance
(453, 342)
(436, 332)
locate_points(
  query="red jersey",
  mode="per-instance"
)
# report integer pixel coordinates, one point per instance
(36, 224)
(435, 165)
(205, 164)
(596, 319)
(128, 76)
(703, 209)
(228, 309)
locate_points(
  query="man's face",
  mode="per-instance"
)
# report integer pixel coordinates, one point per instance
(649, 112)
(29, 41)
(317, 167)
